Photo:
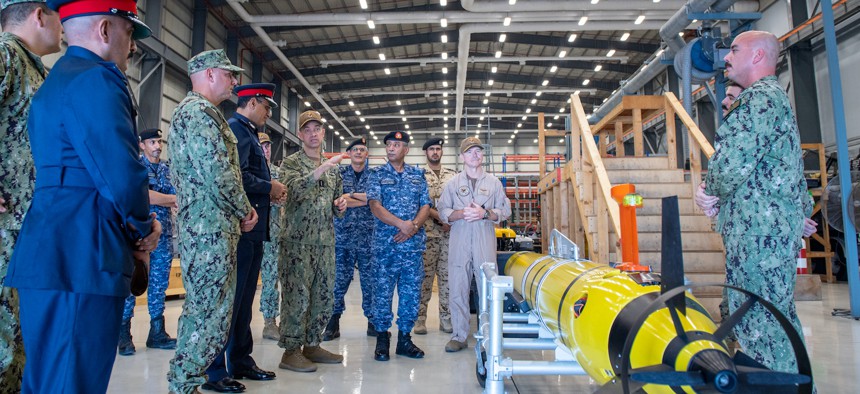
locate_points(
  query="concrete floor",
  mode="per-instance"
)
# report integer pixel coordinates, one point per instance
(833, 344)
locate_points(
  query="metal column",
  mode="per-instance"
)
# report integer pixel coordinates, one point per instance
(844, 159)
(150, 88)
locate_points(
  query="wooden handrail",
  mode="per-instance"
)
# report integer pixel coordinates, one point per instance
(693, 130)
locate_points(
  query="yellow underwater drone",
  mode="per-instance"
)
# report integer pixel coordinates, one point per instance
(630, 331)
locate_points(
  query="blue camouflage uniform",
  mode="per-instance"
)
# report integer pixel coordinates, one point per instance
(397, 264)
(161, 258)
(353, 236)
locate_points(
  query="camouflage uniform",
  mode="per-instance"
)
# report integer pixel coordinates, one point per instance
(271, 252)
(205, 166)
(161, 258)
(352, 244)
(436, 255)
(307, 255)
(21, 74)
(403, 194)
(757, 173)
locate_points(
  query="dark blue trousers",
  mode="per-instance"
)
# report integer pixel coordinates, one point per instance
(70, 340)
(239, 341)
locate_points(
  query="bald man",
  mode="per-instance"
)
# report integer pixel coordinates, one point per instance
(756, 190)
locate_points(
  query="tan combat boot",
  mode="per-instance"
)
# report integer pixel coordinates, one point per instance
(294, 360)
(322, 356)
(271, 330)
(455, 346)
(420, 326)
(445, 325)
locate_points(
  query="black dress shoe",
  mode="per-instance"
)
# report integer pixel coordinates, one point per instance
(253, 373)
(225, 385)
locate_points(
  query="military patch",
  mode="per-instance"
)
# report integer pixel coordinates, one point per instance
(416, 181)
(214, 115)
(463, 191)
(484, 192)
(387, 181)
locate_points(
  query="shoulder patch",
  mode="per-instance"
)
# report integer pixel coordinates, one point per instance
(214, 114)
(740, 101)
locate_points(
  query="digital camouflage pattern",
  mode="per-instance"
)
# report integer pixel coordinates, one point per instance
(435, 268)
(307, 254)
(436, 254)
(309, 208)
(11, 346)
(215, 58)
(161, 258)
(204, 165)
(398, 265)
(353, 235)
(757, 172)
(271, 256)
(21, 74)
(307, 275)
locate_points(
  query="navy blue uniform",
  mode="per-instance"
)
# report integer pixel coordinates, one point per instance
(397, 264)
(73, 261)
(353, 236)
(160, 258)
(257, 182)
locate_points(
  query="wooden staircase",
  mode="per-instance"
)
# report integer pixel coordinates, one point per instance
(577, 201)
(704, 259)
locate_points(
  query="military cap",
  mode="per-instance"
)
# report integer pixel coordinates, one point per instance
(396, 136)
(308, 116)
(149, 134)
(122, 8)
(469, 143)
(264, 90)
(264, 138)
(360, 141)
(6, 3)
(215, 58)
(433, 141)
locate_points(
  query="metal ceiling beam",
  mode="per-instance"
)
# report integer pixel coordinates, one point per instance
(522, 60)
(343, 104)
(453, 36)
(466, 31)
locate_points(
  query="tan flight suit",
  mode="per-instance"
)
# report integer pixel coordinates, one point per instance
(470, 243)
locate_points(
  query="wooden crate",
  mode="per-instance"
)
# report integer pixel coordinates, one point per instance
(174, 284)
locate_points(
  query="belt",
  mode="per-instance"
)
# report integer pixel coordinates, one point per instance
(63, 176)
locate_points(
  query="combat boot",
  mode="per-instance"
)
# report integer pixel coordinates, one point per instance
(125, 346)
(158, 337)
(321, 356)
(371, 330)
(445, 325)
(383, 342)
(332, 329)
(420, 326)
(294, 360)
(405, 347)
(271, 330)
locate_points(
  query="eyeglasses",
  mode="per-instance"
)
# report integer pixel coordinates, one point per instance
(357, 149)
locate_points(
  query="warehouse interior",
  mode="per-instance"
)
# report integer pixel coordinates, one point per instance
(570, 97)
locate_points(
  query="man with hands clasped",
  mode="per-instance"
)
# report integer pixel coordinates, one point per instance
(472, 203)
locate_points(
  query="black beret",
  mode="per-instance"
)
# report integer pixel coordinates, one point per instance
(360, 141)
(433, 141)
(396, 136)
(149, 134)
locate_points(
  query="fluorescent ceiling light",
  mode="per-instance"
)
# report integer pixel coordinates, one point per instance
(506, 21)
(398, 102)
(370, 24)
(490, 82)
(376, 40)
(486, 101)
(351, 103)
(336, 133)
(639, 20)
(610, 53)
(585, 82)
(387, 71)
(545, 82)
(625, 36)
(553, 69)
(444, 38)
(571, 38)
(487, 94)
(402, 112)
(307, 104)
(445, 84)
(381, 56)
(494, 69)
(498, 54)
(598, 68)
(357, 112)
(562, 54)
(502, 37)
(538, 93)
(444, 55)
(528, 110)
(443, 22)
(583, 20)
(534, 101)
(444, 70)
(363, 4)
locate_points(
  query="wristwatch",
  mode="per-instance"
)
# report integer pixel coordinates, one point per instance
(487, 214)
